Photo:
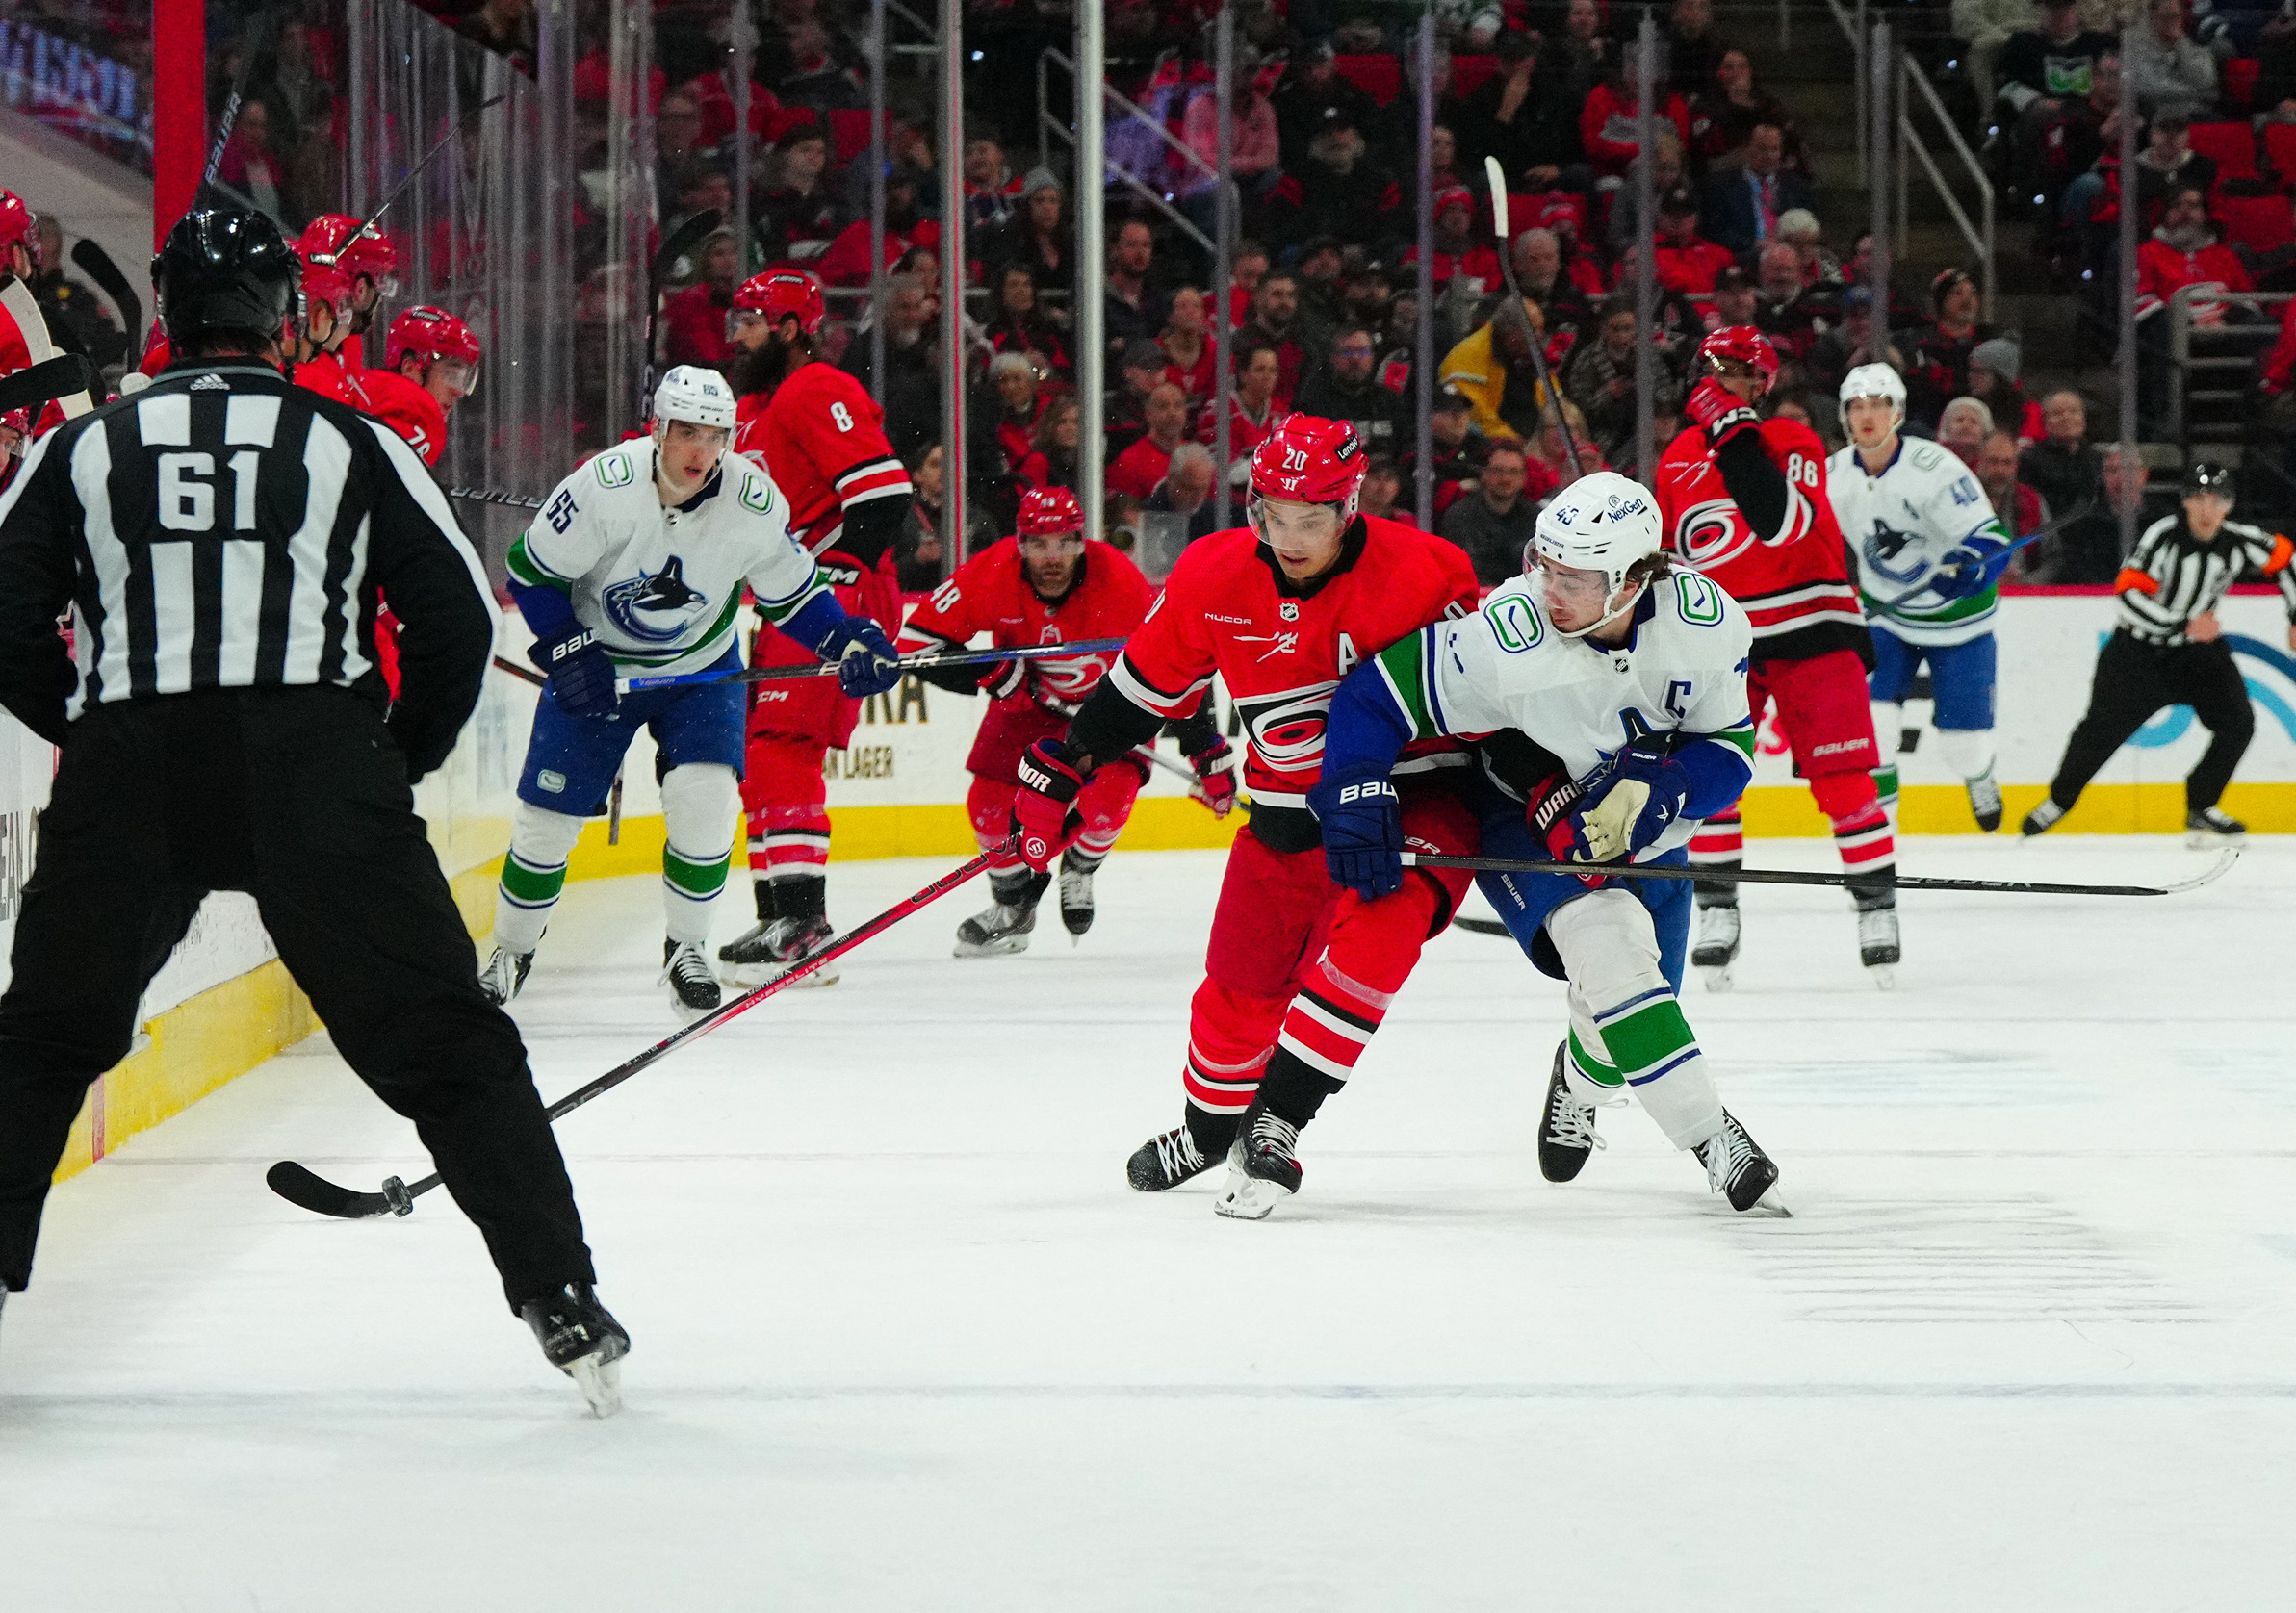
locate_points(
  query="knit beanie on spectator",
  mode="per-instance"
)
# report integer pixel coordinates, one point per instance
(2000, 355)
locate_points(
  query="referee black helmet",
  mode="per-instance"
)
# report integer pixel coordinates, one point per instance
(225, 272)
(2206, 475)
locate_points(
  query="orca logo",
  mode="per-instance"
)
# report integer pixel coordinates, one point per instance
(656, 608)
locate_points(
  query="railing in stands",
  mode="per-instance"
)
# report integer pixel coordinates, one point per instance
(1048, 128)
(1852, 24)
(2242, 344)
(1910, 143)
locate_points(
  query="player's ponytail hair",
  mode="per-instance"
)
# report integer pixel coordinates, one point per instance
(1651, 569)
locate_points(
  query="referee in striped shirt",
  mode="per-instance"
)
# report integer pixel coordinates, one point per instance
(218, 541)
(2169, 650)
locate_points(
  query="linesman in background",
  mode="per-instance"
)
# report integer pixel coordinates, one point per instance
(219, 540)
(2168, 649)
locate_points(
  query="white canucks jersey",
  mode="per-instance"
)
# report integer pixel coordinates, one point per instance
(661, 587)
(1683, 671)
(1905, 524)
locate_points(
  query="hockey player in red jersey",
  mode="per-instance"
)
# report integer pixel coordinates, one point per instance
(319, 339)
(431, 365)
(1045, 586)
(369, 266)
(821, 438)
(1281, 609)
(1744, 501)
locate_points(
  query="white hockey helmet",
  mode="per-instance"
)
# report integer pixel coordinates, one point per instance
(690, 393)
(1873, 380)
(1601, 522)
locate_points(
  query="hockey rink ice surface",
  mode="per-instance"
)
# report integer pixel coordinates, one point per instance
(905, 1340)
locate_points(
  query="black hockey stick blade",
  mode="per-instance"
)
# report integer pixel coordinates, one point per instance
(1838, 881)
(308, 1190)
(494, 496)
(34, 388)
(97, 265)
(682, 241)
(1483, 926)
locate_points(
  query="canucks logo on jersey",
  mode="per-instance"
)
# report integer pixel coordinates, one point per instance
(657, 608)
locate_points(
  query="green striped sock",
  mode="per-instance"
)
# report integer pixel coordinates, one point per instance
(696, 882)
(529, 885)
(1599, 1071)
(1648, 1039)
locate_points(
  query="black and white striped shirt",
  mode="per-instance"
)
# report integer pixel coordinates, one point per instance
(226, 528)
(2172, 576)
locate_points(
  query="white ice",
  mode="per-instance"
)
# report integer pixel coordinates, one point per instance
(905, 1340)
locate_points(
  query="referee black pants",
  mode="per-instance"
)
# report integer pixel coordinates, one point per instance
(299, 797)
(2133, 681)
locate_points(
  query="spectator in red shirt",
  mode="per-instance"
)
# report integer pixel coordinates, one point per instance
(846, 263)
(1252, 412)
(1188, 351)
(1685, 260)
(2185, 251)
(1457, 251)
(1606, 125)
(1141, 467)
(1053, 460)
(696, 316)
(2018, 505)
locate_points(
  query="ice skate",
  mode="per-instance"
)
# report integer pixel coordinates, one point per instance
(1736, 1165)
(1877, 942)
(2214, 826)
(1166, 1161)
(2041, 819)
(1076, 891)
(692, 982)
(1263, 1168)
(504, 975)
(1003, 926)
(1984, 800)
(1566, 1135)
(1717, 946)
(772, 945)
(582, 1339)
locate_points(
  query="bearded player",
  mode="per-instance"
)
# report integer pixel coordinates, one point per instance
(1045, 585)
(1744, 501)
(1610, 698)
(1281, 609)
(821, 438)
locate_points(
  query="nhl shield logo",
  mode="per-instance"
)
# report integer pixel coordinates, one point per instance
(1289, 610)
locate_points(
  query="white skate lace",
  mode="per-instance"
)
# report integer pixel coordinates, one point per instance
(1075, 889)
(1727, 1153)
(687, 966)
(1571, 1123)
(1176, 1155)
(1985, 794)
(1272, 1136)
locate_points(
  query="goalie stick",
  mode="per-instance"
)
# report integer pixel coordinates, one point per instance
(306, 1189)
(1838, 881)
(97, 265)
(1497, 176)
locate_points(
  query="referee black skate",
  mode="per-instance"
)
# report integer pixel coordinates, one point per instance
(219, 540)
(2169, 650)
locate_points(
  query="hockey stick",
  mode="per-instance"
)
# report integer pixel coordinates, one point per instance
(1483, 927)
(1837, 881)
(33, 327)
(829, 669)
(2048, 529)
(494, 496)
(306, 1189)
(461, 127)
(1538, 348)
(258, 37)
(686, 238)
(34, 388)
(97, 265)
(503, 663)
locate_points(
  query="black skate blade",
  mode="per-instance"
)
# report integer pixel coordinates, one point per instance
(307, 1190)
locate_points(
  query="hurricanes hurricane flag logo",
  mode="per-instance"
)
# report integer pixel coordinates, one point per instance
(658, 607)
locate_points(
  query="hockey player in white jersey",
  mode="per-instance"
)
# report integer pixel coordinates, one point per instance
(1610, 694)
(1929, 552)
(635, 569)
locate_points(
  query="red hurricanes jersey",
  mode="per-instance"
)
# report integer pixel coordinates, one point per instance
(990, 594)
(823, 440)
(407, 408)
(1793, 582)
(1227, 609)
(326, 377)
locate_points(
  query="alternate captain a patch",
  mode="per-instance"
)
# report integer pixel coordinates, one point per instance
(656, 608)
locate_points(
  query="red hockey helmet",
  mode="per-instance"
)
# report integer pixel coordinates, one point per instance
(1740, 345)
(336, 238)
(325, 280)
(19, 225)
(1311, 461)
(783, 293)
(1048, 511)
(429, 334)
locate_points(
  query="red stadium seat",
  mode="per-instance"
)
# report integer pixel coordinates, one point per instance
(2239, 80)
(1381, 77)
(1469, 71)
(2233, 146)
(2260, 223)
(2280, 149)
(849, 132)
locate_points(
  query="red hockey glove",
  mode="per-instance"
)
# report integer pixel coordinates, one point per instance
(1552, 812)
(1044, 814)
(1721, 413)
(1003, 678)
(1215, 777)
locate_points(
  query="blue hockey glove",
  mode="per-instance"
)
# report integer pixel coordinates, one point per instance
(867, 663)
(581, 675)
(1629, 801)
(1362, 824)
(1965, 572)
